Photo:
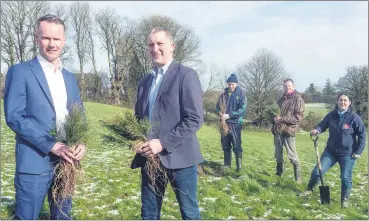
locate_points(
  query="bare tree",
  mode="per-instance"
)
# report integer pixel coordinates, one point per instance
(103, 19)
(18, 22)
(61, 11)
(116, 36)
(187, 43)
(80, 18)
(7, 37)
(209, 76)
(90, 30)
(223, 75)
(39, 9)
(186, 52)
(355, 84)
(262, 78)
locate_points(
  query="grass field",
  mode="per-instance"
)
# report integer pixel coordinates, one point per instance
(319, 108)
(112, 189)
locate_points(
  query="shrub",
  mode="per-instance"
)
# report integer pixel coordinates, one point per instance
(310, 121)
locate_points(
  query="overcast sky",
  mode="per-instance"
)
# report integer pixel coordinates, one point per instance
(315, 40)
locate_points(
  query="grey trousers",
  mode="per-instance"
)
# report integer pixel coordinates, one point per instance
(290, 144)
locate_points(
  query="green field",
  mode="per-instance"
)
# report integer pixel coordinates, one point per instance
(112, 189)
(319, 108)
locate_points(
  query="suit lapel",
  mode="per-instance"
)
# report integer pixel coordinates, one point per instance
(167, 78)
(146, 91)
(41, 78)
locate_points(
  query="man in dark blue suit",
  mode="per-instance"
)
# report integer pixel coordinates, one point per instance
(37, 96)
(171, 97)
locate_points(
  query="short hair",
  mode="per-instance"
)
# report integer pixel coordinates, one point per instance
(338, 97)
(287, 80)
(342, 93)
(165, 30)
(49, 18)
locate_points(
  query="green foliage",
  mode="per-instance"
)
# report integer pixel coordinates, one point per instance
(329, 93)
(272, 111)
(310, 121)
(355, 84)
(265, 116)
(113, 191)
(128, 128)
(210, 99)
(74, 129)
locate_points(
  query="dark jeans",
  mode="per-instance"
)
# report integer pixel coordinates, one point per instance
(233, 139)
(184, 183)
(327, 161)
(30, 193)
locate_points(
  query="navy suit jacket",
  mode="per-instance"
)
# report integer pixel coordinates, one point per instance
(29, 112)
(177, 115)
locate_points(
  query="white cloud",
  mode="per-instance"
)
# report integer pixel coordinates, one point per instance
(311, 51)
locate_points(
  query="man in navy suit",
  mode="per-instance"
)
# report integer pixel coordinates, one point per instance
(171, 97)
(37, 96)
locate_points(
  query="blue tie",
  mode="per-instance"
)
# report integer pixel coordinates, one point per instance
(154, 90)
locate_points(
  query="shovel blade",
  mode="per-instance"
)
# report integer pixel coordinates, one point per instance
(324, 195)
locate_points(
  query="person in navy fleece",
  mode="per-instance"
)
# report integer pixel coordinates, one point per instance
(236, 103)
(346, 143)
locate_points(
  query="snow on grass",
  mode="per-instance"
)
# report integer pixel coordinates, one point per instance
(113, 212)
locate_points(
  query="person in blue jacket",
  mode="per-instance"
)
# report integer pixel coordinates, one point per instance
(346, 143)
(39, 94)
(236, 102)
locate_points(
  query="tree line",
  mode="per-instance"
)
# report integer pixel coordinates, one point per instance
(124, 41)
(354, 83)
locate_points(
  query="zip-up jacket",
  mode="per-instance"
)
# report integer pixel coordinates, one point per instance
(342, 135)
(235, 103)
(292, 108)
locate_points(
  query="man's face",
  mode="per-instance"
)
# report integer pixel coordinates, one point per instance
(232, 86)
(288, 87)
(160, 48)
(50, 39)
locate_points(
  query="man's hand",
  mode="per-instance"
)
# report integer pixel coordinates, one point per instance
(80, 151)
(225, 116)
(150, 148)
(355, 156)
(62, 150)
(220, 114)
(314, 132)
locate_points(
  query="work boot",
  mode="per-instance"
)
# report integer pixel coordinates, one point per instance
(296, 168)
(306, 193)
(227, 159)
(279, 169)
(344, 203)
(238, 161)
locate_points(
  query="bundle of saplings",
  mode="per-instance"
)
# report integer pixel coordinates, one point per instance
(223, 127)
(133, 132)
(72, 132)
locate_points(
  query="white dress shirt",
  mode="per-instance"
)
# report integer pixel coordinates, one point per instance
(55, 80)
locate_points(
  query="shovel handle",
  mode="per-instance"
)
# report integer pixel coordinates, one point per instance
(314, 139)
(318, 159)
(317, 155)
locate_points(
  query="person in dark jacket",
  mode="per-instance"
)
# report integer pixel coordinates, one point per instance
(345, 144)
(292, 108)
(235, 102)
